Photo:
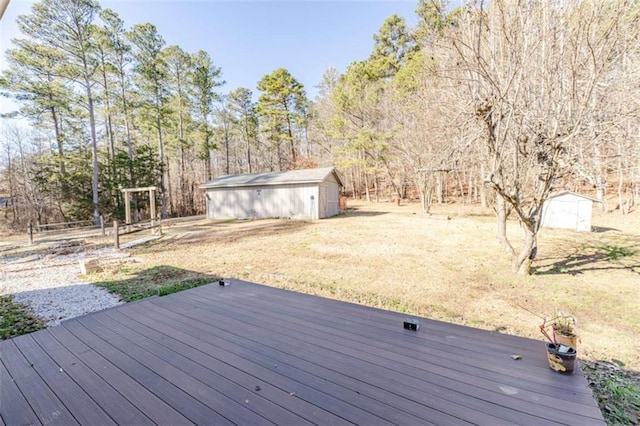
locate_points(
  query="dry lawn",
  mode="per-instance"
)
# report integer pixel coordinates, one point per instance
(447, 269)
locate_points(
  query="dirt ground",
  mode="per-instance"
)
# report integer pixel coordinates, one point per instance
(445, 266)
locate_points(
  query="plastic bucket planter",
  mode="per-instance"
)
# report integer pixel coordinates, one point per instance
(562, 358)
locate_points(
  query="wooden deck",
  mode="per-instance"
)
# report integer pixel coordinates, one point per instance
(249, 354)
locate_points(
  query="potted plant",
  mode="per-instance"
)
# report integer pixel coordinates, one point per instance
(561, 349)
(564, 330)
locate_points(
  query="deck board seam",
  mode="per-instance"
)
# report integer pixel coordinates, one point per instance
(82, 322)
(160, 343)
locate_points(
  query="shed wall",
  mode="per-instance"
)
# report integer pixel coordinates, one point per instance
(568, 212)
(329, 197)
(585, 212)
(292, 201)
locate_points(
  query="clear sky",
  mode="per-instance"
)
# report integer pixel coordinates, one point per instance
(249, 39)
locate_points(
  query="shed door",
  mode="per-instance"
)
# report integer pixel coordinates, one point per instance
(584, 216)
(323, 201)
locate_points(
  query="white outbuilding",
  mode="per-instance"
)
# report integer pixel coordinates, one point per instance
(297, 194)
(568, 210)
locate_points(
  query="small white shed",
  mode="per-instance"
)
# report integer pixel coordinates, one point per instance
(297, 194)
(568, 210)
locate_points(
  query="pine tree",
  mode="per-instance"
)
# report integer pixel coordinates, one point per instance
(151, 71)
(281, 108)
(244, 109)
(205, 78)
(67, 27)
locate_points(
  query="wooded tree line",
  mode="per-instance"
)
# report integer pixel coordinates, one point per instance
(114, 107)
(499, 102)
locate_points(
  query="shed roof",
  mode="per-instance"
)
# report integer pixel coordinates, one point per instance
(561, 193)
(272, 178)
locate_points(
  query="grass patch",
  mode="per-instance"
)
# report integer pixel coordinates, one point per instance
(16, 319)
(131, 283)
(335, 290)
(616, 390)
(615, 253)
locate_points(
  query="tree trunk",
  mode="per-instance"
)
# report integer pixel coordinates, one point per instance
(501, 211)
(94, 155)
(226, 149)
(522, 262)
(366, 187)
(248, 148)
(207, 155)
(353, 184)
(127, 126)
(376, 191)
(623, 209)
(600, 179)
(292, 142)
(483, 189)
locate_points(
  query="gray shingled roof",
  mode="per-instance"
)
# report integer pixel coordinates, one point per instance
(274, 178)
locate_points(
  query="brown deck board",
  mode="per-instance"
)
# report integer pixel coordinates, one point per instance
(446, 387)
(294, 386)
(378, 323)
(384, 334)
(14, 408)
(386, 322)
(342, 363)
(79, 404)
(143, 399)
(119, 408)
(204, 354)
(231, 400)
(222, 407)
(543, 396)
(477, 365)
(244, 355)
(44, 402)
(132, 362)
(251, 354)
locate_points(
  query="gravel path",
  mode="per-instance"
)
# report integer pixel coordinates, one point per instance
(51, 285)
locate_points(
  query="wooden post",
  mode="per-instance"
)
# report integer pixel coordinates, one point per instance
(127, 207)
(30, 233)
(152, 202)
(102, 225)
(160, 227)
(116, 234)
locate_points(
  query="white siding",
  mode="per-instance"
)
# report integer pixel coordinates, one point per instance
(295, 200)
(568, 211)
(332, 191)
(585, 210)
(291, 201)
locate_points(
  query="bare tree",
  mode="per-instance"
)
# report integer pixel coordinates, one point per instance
(530, 71)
